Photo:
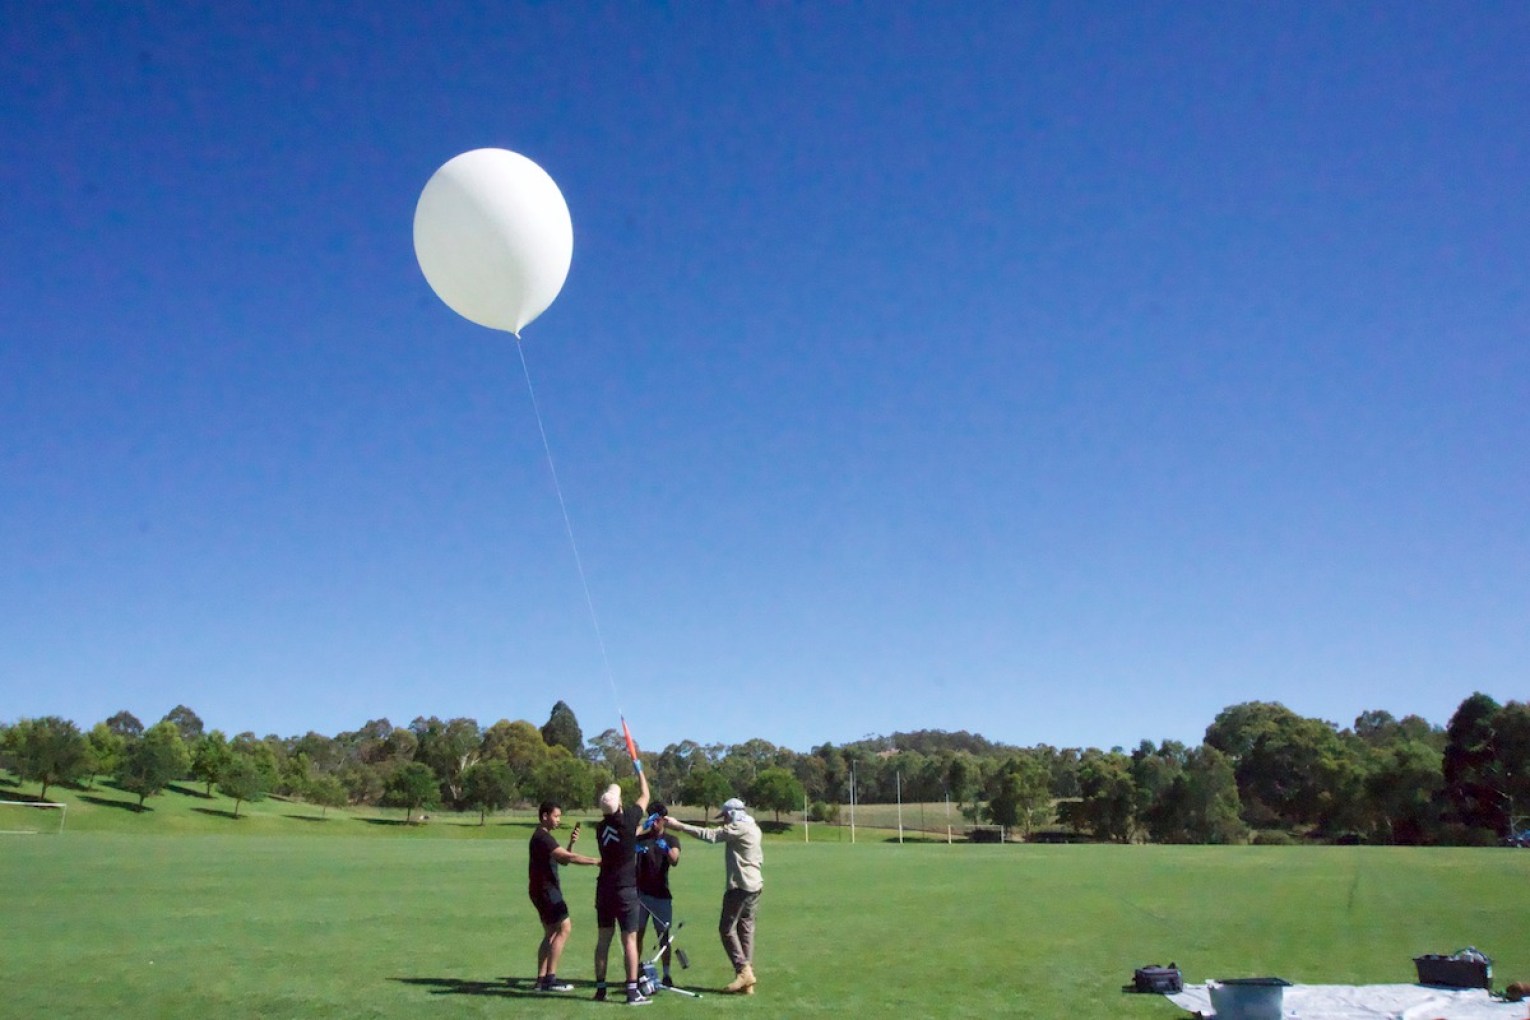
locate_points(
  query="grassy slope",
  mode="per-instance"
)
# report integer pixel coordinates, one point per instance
(355, 926)
(185, 809)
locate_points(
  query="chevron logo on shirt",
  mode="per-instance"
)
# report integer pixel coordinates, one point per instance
(609, 835)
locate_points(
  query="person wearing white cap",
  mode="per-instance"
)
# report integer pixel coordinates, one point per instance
(741, 835)
(616, 893)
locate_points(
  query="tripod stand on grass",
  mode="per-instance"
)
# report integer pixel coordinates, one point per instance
(650, 968)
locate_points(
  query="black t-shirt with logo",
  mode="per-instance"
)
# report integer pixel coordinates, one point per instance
(616, 835)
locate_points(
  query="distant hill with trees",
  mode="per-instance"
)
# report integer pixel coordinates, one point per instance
(1262, 772)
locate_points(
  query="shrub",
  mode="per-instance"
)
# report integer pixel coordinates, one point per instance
(1456, 834)
(824, 812)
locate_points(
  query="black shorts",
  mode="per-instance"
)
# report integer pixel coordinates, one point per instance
(550, 906)
(661, 908)
(619, 908)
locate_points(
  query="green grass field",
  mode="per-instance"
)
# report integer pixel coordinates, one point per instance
(181, 913)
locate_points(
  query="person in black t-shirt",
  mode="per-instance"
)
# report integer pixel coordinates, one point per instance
(547, 894)
(616, 897)
(656, 854)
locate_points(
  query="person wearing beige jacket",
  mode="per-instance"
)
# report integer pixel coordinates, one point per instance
(740, 834)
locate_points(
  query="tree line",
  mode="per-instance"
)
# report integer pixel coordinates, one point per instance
(1262, 772)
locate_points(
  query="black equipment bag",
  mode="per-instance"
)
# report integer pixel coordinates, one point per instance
(1158, 979)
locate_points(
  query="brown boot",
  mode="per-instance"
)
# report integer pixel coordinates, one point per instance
(740, 983)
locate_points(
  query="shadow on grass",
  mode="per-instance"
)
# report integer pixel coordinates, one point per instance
(503, 988)
(29, 798)
(112, 784)
(306, 818)
(127, 805)
(184, 792)
(398, 822)
(218, 813)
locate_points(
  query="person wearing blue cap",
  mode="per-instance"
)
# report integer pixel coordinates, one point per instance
(744, 860)
(656, 854)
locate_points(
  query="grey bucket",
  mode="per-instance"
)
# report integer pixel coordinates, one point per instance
(1248, 998)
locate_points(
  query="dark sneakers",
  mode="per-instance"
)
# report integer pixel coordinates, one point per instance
(555, 986)
(634, 997)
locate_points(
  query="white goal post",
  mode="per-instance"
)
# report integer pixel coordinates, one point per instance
(31, 817)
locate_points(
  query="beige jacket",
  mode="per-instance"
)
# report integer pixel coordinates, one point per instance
(744, 858)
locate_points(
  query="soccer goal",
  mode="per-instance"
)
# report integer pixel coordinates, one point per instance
(31, 818)
(987, 834)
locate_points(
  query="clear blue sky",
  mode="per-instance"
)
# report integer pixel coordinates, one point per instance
(1060, 372)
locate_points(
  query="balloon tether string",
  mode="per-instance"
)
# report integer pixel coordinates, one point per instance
(568, 526)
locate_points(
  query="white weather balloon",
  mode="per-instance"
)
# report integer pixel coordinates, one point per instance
(494, 238)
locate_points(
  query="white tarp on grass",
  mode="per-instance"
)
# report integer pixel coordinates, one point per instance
(1373, 1002)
